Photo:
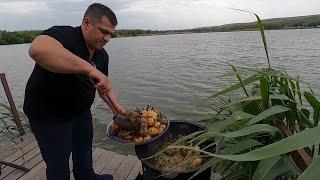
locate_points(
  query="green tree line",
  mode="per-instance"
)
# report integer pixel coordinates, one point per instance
(17, 37)
(312, 21)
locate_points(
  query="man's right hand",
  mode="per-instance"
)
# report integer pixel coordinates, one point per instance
(102, 82)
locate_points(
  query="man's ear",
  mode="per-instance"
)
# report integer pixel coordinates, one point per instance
(85, 22)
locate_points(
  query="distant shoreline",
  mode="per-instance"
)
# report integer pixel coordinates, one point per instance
(242, 30)
(16, 34)
(299, 22)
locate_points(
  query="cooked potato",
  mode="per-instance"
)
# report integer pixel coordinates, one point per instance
(144, 120)
(115, 128)
(157, 124)
(147, 138)
(152, 114)
(197, 162)
(151, 122)
(144, 129)
(152, 131)
(122, 134)
(128, 137)
(138, 139)
(143, 113)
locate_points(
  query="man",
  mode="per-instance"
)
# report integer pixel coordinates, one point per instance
(71, 64)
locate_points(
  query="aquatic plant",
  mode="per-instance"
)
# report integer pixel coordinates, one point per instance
(244, 130)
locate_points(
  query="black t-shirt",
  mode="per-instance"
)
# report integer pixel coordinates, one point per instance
(50, 94)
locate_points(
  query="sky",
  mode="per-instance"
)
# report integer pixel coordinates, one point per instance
(148, 14)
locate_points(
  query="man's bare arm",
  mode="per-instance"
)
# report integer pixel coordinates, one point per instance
(110, 98)
(51, 55)
(105, 99)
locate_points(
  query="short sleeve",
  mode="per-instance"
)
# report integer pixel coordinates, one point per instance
(63, 34)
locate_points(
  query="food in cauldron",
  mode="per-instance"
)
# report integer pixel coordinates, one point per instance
(177, 129)
(140, 125)
(178, 159)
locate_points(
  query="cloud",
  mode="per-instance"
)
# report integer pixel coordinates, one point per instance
(22, 7)
(174, 15)
(148, 14)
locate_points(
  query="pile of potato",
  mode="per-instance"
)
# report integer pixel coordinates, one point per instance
(152, 122)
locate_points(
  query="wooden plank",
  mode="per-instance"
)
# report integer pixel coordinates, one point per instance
(30, 164)
(21, 152)
(20, 161)
(104, 162)
(96, 154)
(125, 167)
(10, 149)
(41, 176)
(36, 172)
(113, 164)
(136, 170)
(21, 138)
(100, 164)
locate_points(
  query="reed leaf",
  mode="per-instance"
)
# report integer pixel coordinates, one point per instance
(277, 109)
(240, 80)
(256, 128)
(312, 172)
(284, 167)
(264, 90)
(241, 146)
(315, 105)
(297, 141)
(253, 98)
(299, 91)
(261, 28)
(264, 167)
(245, 82)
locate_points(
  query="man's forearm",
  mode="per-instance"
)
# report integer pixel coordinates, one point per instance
(111, 100)
(105, 98)
(57, 58)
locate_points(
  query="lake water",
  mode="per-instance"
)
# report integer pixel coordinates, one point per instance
(175, 72)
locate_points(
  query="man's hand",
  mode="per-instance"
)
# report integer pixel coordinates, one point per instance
(101, 81)
(119, 109)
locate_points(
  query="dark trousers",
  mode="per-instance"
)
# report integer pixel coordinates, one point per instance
(58, 137)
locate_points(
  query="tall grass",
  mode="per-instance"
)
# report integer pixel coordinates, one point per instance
(248, 144)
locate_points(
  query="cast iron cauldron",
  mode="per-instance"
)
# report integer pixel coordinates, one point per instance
(176, 129)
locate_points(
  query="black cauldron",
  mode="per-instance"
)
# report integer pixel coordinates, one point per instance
(176, 129)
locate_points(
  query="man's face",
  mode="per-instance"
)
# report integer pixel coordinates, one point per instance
(98, 33)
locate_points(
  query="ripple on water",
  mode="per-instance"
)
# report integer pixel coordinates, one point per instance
(174, 73)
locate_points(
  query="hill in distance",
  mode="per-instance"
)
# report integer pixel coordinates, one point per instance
(299, 22)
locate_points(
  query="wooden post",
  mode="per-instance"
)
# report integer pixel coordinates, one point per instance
(12, 105)
(300, 157)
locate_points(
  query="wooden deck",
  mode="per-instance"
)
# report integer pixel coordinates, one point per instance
(27, 153)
